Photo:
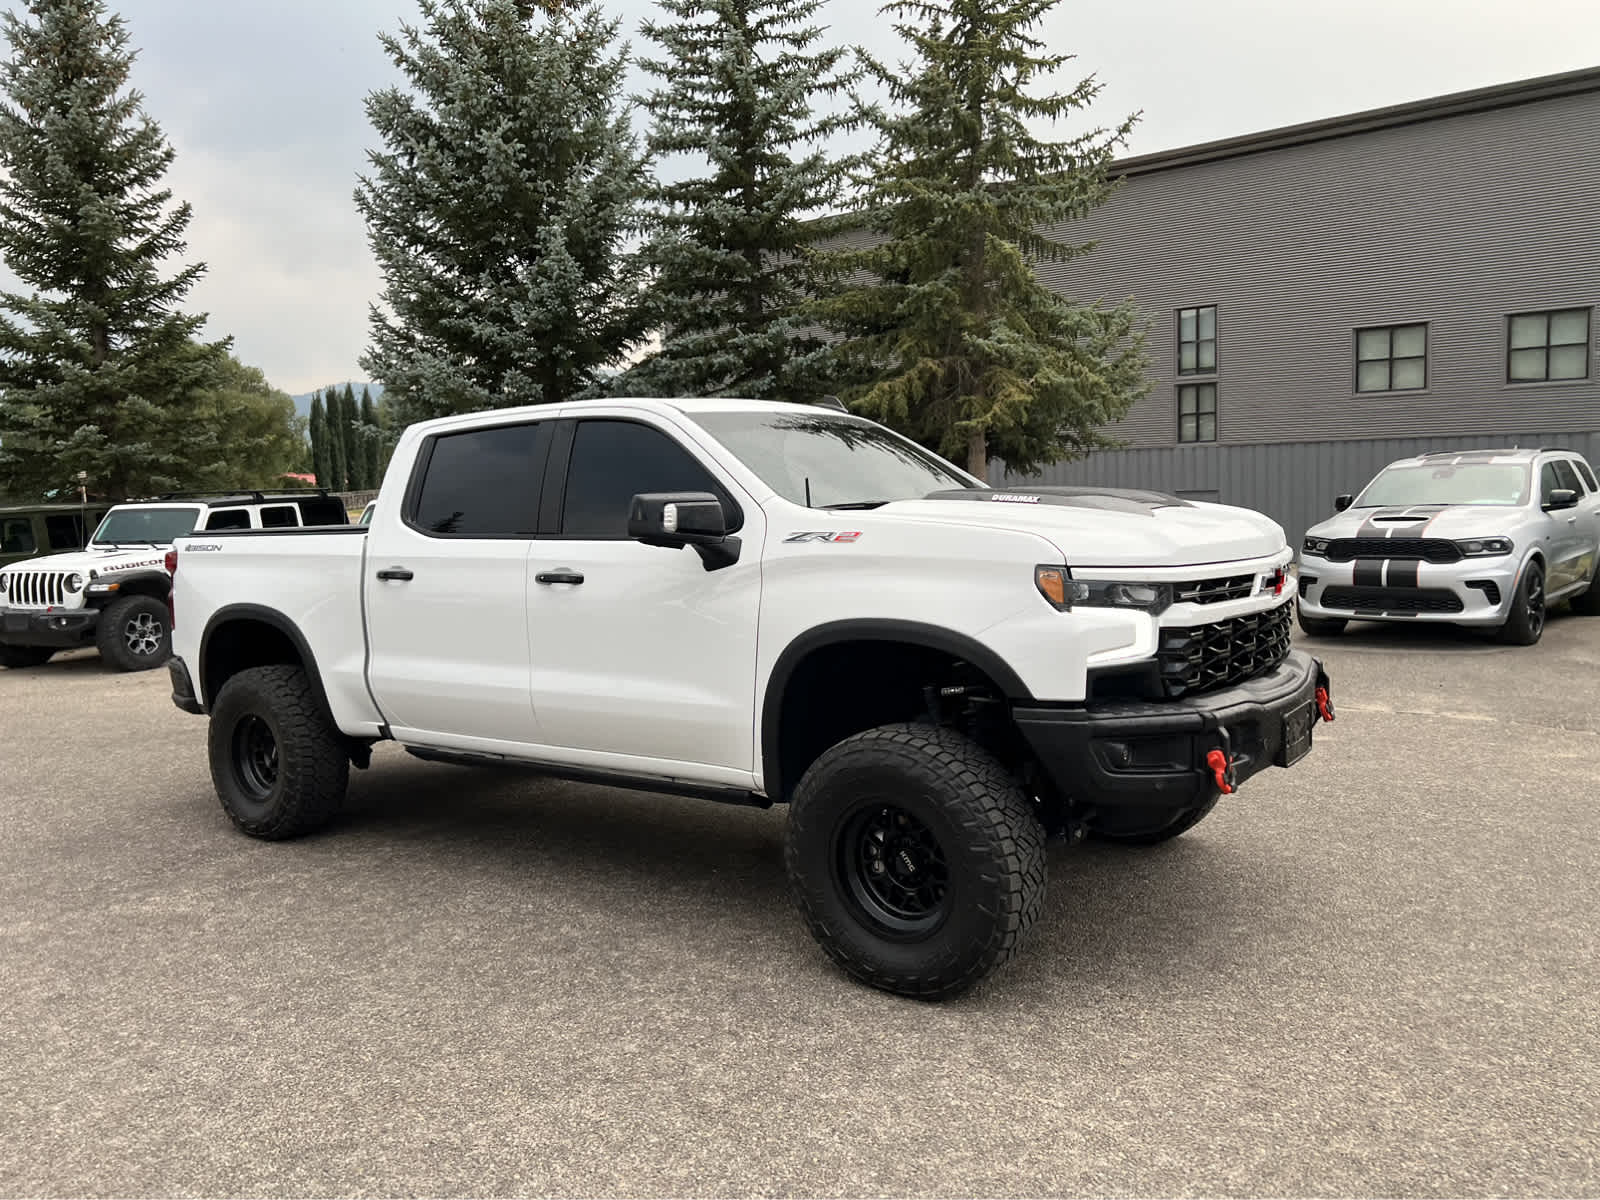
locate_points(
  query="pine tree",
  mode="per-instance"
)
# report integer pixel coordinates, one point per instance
(730, 257)
(354, 452)
(99, 368)
(338, 464)
(499, 205)
(370, 438)
(321, 459)
(958, 342)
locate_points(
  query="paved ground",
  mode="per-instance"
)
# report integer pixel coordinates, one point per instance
(1375, 974)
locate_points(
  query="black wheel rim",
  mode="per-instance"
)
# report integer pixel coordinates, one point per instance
(894, 870)
(255, 757)
(1535, 601)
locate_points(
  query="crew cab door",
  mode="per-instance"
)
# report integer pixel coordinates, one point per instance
(445, 589)
(1567, 528)
(640, 655)
(1585, 519)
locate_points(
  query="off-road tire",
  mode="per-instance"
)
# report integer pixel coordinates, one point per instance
(310, 767)
(970, 808)
(1320, 626)
(1155, 837)
(1525, 625)
(134, 634)
(17, 657)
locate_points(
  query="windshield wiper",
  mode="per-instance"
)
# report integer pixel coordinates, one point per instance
(855, 504)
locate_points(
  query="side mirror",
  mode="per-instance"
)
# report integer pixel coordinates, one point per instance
(1340, 503)
(1561, 498)
(677, 519)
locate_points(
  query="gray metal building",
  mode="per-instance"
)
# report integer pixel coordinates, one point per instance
(1326, 298)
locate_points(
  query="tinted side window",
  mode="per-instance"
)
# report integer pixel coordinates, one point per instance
(16, 536)
(229, 518)
(612, 461)
(278, 516)
(323, 510)
(483, 484)
(1567, 476)
(64, 532)
(1588, 475)
(1548, 482)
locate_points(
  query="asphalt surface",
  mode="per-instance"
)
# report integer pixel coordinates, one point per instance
(1374, 974)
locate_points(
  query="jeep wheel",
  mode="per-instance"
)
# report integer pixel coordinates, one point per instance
(915, 859)
(1154, 836)
(17, 657)
(132, 634)
(278, 764)
(1320, 626)
(1526, 622)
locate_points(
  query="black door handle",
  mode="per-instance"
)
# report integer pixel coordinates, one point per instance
(558, 577)
(400, 573)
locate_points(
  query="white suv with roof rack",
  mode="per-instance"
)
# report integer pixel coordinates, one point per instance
(1488, 538)
(113, 593)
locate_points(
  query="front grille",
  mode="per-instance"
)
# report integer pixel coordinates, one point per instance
(1391, 600)
(35, 589)
(1434, 550)
(1201, 658)
(1214, 591)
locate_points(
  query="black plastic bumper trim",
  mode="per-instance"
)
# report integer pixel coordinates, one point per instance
(63, 629)
(183, 687)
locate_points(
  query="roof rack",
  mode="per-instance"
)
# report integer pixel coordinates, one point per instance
(832, 402)
(245, 494)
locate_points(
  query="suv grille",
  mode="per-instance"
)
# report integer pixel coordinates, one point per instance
(1214, 591)
(1200, 658)
(1394, 600)
(36, 589)
(1434, 550)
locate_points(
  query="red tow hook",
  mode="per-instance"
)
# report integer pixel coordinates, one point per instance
(1222, 770)
(1324, 704)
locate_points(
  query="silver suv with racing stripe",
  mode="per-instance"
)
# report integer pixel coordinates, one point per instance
(1489, 538)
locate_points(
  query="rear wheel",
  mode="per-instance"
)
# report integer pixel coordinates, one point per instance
(17, 657)
(1526, 622)
(1321, 626)
(915, 859)
(1587, 602)
(133, 635)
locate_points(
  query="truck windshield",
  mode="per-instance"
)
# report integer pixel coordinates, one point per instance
(145, 526)
(830, 461)
(1446, 483)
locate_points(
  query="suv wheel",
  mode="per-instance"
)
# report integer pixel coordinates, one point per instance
(1526, 622)
(1587, 602)
(1320, 626)
(133, 634)
(16, 657)
(278, 763)
(915, 859)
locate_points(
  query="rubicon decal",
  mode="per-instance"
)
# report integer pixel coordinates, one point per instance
(824, 536)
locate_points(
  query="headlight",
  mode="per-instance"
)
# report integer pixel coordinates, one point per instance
(1317, 546)
(74, 582)
(1057, 586)
(1484, 547)
(5, 583)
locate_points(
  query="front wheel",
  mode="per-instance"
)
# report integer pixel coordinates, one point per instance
(279, 766)
(915, 859)
(17, 657)
(133, 634)
(1320, 626)
(1526, 622)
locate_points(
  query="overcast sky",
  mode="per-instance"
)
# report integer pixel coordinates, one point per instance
(263, 103)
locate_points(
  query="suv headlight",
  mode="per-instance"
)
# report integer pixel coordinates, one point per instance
(5, 582)
(1484, 547)
(74, 582)
(1315, 545)
(1057, 586)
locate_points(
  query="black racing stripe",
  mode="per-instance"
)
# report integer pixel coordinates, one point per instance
(1403, 572)
(1369, 572)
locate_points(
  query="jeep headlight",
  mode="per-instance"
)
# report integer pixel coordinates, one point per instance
(1315, 545)
(74, 583)
(1484, 547)
(1057, 586)
(5, 583)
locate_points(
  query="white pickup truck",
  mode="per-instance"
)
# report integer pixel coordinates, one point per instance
(763, 603)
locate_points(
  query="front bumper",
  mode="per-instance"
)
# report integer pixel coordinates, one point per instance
(1474, 591)
(59, 628)
(1150, 757)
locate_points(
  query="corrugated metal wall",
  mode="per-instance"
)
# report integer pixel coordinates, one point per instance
(1293, 484)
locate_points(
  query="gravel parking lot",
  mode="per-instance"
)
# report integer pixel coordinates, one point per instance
(1374, 974)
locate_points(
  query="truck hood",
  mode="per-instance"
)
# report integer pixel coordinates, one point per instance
(1422, 520)
(101, 562)
(1108, 527)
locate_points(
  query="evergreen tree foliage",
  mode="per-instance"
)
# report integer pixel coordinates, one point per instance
(730, 256)
(256, 441)
(321, 458)
(948, 330)
(338, 464)
(498, 207)
(99, 368)
(355, 452)
(371, 439)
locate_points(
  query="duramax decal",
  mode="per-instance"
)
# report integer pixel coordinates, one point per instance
(823, 537)
(1003, 498)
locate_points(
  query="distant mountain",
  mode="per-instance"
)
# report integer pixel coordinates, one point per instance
(302, 403)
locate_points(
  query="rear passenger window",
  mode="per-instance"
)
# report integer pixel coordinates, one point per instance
(229, 518)
(63, 532)
(16, 536)
(483, 484)
(279, 516)
(612, 461)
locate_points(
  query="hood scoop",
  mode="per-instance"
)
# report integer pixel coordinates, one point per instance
(1124, 500)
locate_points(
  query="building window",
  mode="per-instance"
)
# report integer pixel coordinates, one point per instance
(1392, 358)
(1548, 345)
(1197, 341)
(1197, 412)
